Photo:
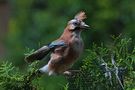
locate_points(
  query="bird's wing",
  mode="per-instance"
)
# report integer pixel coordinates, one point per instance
(57, 43)
(43, 51)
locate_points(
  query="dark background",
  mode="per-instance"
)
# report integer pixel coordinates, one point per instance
(33, 23)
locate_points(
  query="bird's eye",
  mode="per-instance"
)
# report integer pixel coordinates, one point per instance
(75, 23)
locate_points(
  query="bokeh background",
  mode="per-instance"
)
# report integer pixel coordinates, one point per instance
(32, 23)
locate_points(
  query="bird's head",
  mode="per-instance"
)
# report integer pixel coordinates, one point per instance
(77, 23)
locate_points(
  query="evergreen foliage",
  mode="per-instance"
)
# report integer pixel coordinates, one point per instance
(105, 68)
(12, 79)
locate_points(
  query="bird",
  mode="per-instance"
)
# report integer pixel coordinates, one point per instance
(65, 50)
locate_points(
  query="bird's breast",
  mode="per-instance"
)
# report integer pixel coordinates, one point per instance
(76, 46)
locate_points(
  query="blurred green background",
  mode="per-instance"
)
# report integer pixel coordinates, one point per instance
(33, 23)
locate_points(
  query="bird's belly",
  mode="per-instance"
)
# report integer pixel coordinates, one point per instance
(74, 52)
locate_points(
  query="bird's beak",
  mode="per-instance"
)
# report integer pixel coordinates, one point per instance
(85, 26)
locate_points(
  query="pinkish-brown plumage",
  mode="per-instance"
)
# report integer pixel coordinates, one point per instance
(63, 57)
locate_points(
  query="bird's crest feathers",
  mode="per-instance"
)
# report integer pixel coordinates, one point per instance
(80, 16)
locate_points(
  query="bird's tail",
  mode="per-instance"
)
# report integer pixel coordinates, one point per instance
(38, 55)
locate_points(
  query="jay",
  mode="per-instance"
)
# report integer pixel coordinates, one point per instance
(64, 50)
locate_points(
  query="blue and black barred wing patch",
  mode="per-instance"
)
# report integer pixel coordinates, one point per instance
(56, 44)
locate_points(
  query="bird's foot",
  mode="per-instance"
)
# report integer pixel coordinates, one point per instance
(67, 73)
(71, 73)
